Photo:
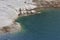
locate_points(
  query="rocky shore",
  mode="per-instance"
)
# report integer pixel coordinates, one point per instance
(47, 3)
(13, 28)
(11, 11)
(40, 5)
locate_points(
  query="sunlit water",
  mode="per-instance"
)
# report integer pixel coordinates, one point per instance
(45, 26)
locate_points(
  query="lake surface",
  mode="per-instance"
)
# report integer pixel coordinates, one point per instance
(45, 26)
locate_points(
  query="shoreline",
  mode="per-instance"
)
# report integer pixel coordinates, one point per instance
(13, 28)
(26, 10)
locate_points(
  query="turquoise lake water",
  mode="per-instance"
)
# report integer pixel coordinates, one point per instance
(45, 26)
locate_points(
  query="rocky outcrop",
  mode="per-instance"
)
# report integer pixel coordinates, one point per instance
(47, 3)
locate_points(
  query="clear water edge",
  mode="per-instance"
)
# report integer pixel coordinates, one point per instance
(44, 26)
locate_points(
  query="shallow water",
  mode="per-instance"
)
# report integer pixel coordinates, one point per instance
(45, 26)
